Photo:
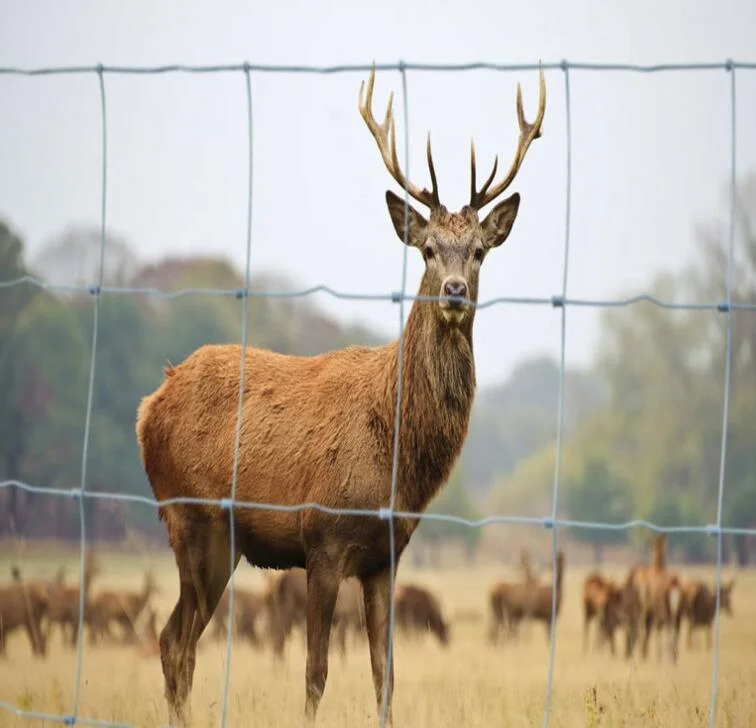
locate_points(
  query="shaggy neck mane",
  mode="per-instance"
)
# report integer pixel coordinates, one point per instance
(438, 386)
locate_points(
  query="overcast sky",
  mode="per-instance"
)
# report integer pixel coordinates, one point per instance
(650, 152)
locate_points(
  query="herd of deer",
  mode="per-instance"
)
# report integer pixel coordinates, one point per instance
(652, 598)
(39, 606)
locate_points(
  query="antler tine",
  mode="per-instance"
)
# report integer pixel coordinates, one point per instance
(431, 168)
(385, 137)
(528, 132)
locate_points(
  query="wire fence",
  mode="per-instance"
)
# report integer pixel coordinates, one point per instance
(560, 301)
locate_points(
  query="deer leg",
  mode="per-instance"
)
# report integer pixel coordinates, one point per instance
(377, 598)
(203, 560)
(322, 589)
(648, 621)
(586, 623)
(708, 638)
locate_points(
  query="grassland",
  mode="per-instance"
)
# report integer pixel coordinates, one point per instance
(468, 684)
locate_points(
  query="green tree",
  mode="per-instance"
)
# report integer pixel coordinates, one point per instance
(597, 493)
(14, 299)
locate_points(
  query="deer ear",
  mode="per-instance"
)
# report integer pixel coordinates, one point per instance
(416, 223)
(498, 222)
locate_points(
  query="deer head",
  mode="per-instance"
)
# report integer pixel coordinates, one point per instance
(453, 245)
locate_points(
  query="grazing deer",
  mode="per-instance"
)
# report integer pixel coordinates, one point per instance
(24, 604)
(320, 430)
(698, 605)
(658, 593)
(417, 610)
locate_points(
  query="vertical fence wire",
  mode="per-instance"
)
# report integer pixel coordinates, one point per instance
(560, 394)
(244, 295)
(84, 562)
(388, 674)
(727, 390)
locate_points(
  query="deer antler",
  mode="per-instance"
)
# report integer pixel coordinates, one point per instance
(385, 136)
(528, 132)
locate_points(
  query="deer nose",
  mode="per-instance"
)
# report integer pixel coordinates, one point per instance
(455, 287)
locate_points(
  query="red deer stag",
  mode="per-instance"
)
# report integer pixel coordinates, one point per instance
(320, 429)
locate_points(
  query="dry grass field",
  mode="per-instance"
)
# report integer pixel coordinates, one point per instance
(470, 683)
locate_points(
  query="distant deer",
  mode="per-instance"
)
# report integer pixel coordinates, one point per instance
(507, 599)
(320, 429)
(698, 605)
(64, 604)
(249, 607)
(658, 593)
(418, 610)
(602, 600)
(23, 604)
(120, 607)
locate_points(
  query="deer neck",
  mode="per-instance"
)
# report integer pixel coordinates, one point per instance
(438, 386)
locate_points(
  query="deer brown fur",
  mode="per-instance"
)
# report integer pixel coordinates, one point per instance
(24, 605)
(286, 605)
(698, 606)
(320, 430)
(657, 590)
(507, 599)
(602, 600)
(417, 610)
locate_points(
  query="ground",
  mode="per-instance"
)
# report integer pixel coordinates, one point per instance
(469, 684)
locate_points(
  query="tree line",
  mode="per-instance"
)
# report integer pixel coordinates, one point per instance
(652, 450)
(643, 424)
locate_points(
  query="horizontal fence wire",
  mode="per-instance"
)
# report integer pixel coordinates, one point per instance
(80, 494)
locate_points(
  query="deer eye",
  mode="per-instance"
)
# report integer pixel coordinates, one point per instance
(427, 252)
(478, 254)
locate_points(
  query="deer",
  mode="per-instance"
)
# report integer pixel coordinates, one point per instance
(658, 593)
(24, 604)
(698, 605)
(64, 602)
(249, 606)
(122, 607)
(503, 595)
(286, 605)
(602, 600)
(320, 430)
(418, 610)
